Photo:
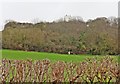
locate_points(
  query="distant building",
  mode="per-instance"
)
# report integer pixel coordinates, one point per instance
(71, 18)
(87, 25)
(67, 18)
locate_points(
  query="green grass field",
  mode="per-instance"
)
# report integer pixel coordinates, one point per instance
(23, 55)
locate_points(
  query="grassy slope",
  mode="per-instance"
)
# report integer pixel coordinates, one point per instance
(23, 55)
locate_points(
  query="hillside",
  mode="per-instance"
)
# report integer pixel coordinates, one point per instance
(99, 36)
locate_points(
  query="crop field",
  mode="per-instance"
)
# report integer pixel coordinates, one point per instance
(89, 71)
(25, 66)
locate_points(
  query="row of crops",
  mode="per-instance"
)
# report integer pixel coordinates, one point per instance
(89, 71)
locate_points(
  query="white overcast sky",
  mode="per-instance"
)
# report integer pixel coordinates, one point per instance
(25, 10)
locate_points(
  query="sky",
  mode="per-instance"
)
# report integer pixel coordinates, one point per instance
(28, 11)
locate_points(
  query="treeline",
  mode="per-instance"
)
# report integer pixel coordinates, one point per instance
(99, 36)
